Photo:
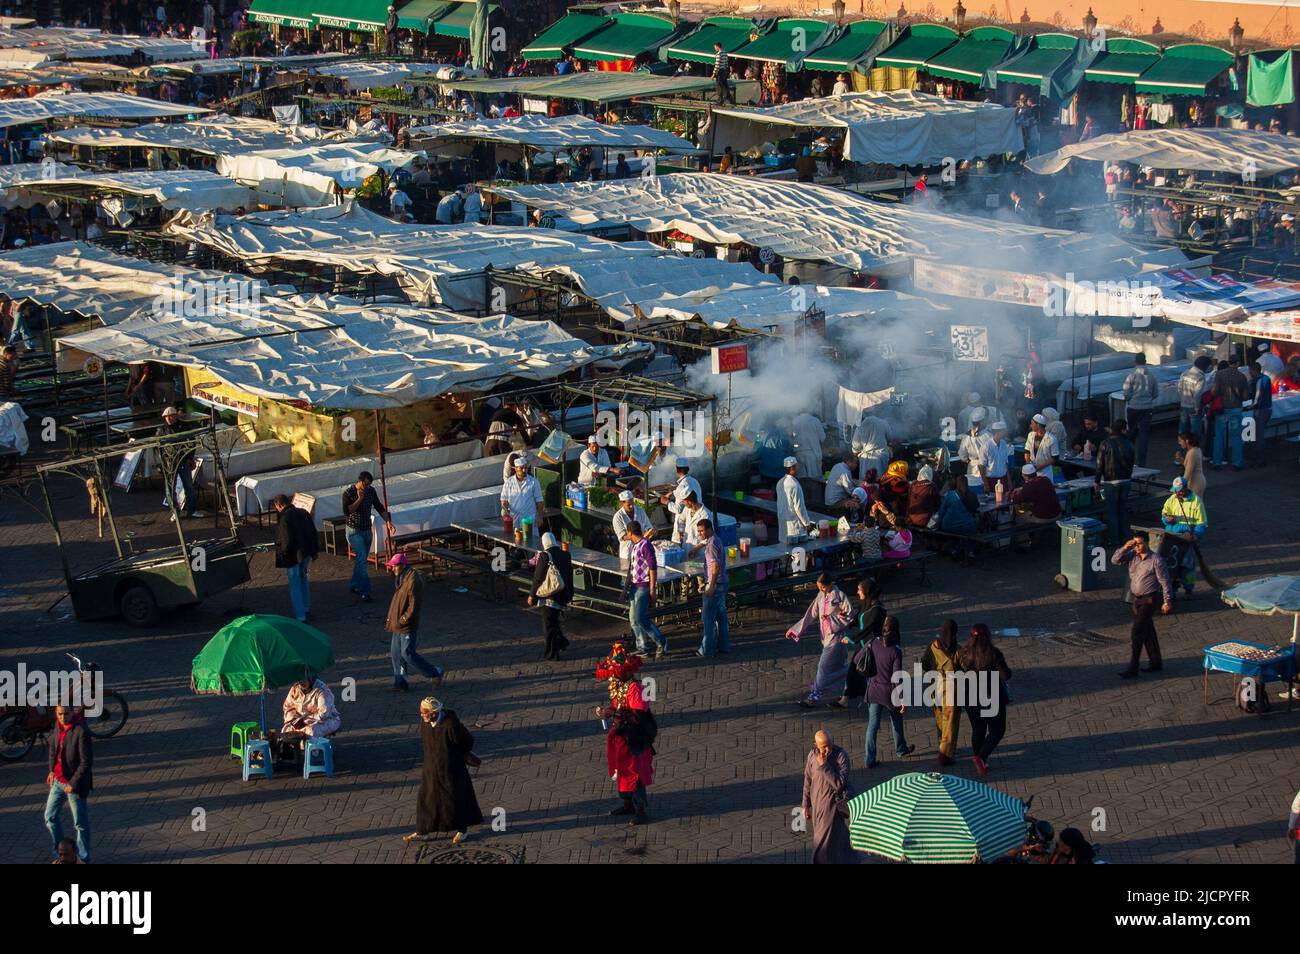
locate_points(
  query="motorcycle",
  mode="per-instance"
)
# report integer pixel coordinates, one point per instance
(21, 727)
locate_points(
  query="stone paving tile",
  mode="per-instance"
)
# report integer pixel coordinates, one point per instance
(1178, 781)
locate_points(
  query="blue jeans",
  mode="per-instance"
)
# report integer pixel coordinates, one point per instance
(1257, 445)
(714, 611)
(1114, 494)
(404, 656)
(359, 542)
(874, 709)
(80, 819)
(1227, 429)
(299, 593)
(186, 476)
(643, 626)
(1189, 422)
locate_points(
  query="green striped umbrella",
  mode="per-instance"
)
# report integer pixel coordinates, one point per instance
(929, 818)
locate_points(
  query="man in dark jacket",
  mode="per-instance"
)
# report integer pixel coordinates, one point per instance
(403, 623)
(1115, 459)
(553, 603)
(1231, 387)
(296, 546)
(69, 779)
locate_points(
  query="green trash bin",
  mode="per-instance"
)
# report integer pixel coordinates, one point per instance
(1080, 536)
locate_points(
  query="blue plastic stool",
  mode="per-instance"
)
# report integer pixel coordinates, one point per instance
(240, 734)
(323, 747)
(262, 766)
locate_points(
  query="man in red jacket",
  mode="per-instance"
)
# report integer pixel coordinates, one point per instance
(1039, 495)
(69, 779)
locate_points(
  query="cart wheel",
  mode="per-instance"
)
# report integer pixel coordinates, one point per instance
(111, 719)
(138, 607)
(15, 742)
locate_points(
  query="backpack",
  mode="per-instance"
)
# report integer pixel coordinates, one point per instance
(1252, 696)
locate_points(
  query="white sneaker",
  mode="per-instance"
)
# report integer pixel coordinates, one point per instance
(198, 514)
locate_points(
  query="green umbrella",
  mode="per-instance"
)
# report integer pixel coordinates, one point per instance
(930, 818)
(258, 654)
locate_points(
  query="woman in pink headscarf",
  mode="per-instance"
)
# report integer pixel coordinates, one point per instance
(829, 616)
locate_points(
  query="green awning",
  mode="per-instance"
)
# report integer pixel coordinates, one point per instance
(731, 32)
(458, 18)
(1185, 70)
(1049, 53)
(629, 36)
(554, 42)
(846, 52)
(288, 13)
(972, 56)
(1123, 61)
(784, 44)
(361, 16)
(921, 42)
(419, 14)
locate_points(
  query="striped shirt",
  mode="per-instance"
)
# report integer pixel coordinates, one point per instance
(720, 64)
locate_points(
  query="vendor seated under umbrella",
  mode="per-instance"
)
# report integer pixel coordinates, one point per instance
(309, 710)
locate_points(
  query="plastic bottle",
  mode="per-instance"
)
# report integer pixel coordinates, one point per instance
(1087, 450)
(998, 492)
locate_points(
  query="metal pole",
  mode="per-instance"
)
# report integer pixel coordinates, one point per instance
(103, 373)
(58, 537)
(103, 499)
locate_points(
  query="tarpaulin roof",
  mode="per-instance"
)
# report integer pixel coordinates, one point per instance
(1202, 149)
(81, 43)
(308, 175)
(626, 38)
(556, 40)
(84, 279)
(213, 135)
(290, 13)
(595, 87)
(191, 189)
(457, 19)
(47, 74)
(1123, 61)
(552, 133)
(16, 173)
(814, 223)
(899, 128)
(918, 44)
(362, 16)
(363, 75)
(697, 47)
(972, 56)
(1048, 53)
(35, 109)
(420, 14)
(849, 50)
(788, 42)
(1185, 70)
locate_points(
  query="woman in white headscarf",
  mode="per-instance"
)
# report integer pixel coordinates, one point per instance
(1055, 427)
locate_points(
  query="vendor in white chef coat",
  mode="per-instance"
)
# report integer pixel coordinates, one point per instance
(522, 494)
(594, 462)
(791, 513)
(685, 483)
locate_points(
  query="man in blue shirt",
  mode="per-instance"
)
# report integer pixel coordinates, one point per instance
(1261, 393)
(717, 632)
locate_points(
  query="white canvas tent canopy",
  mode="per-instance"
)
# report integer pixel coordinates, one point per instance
(191, 189)
(594, 87)
(213, 135)
(807, 222)
(552, 133)
(1233, 151)
(630, 280)
(36, 109)
(79, 278)
(54, 43)
(337, 353)
(362, 76)
(899, 128)
(14, 175)
(311, 175)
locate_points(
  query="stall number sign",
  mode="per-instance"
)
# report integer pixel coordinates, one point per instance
(728, 359)
(970, 343)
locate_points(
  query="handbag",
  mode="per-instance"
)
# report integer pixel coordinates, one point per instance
(553, 584)
(864, 660)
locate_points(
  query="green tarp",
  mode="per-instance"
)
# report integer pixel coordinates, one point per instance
(555, 41)
(629, 36)
(1270, 83)
(1185, 70)
(921, 42)
(972, 56)
(1037, 65)
(289, 13)
(731, 32)
(1123, 61)
(259, 653)
(456, 21)
(361, 16)
(849, 50)
(787, 43)
(420, 14)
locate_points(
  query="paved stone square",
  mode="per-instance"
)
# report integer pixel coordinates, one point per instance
(1177, 781)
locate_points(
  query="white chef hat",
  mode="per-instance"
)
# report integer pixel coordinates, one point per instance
(683, 463)
(1028, 470)
(594, 439)
(973, 397)
(1039, 419)
(978, 415)
(625, 495)
(789, 462)
(998, 426)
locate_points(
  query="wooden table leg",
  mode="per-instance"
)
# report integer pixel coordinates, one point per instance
(1205, 686)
